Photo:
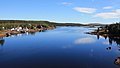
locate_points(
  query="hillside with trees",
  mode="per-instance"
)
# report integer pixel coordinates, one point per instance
(8, 24)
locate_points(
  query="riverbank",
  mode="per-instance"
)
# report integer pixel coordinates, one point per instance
(100, 32)
(13, 27)
(6, 33)
(104, 33)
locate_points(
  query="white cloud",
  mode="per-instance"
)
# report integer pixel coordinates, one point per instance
(118, 11)
(106, 15)
(107, 7)
(84, 41)
(85, 10)
(66, 3)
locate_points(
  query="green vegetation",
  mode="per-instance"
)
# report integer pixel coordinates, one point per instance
(112, 32)
(108, 30)
(67, 24)
(12, 27)
(8, 24)
(114, 28)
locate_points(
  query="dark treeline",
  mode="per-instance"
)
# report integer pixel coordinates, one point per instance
(22, 21)
(67, 24)
(112, 29)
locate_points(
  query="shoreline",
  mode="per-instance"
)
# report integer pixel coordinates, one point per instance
(103, 33)
(7, 33)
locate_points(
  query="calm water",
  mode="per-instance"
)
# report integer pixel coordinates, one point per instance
(63, 47)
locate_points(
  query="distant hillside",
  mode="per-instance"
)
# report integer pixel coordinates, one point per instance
(18, 22)
(24, 23)
(67, 24)
(37, 22)
(96, 24)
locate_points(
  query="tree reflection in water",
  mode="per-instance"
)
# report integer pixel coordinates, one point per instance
(109, 48)
(2, 41)
(112, 39)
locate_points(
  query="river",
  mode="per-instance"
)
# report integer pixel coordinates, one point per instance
(63, 47)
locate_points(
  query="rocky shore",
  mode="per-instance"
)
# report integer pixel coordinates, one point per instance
(6, 33)
(101, 32)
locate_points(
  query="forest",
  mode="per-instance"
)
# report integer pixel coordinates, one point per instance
(8, 24)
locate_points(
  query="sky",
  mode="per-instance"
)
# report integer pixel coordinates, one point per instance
(62, 11)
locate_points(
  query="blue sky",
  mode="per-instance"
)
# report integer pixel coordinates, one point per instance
(68, 11)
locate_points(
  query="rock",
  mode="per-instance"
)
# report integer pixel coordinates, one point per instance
(109, 48)
(8, 34)
(117, 61)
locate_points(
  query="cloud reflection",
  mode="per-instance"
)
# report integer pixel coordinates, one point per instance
(106, 43)
(84, 40)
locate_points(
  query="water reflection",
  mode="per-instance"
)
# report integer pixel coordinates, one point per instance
(105, 43)
(42, 30)
(109, 48)
(85, 40)
(26, 33)
(31, 33)
(57, 49)
(98, 37)
(2, 41)
(112, 39)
